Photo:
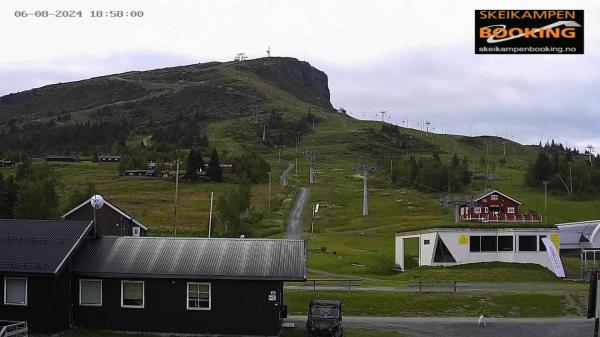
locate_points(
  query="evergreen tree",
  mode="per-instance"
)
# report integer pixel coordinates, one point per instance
(195, 164)
(214, 170)
(539, 171)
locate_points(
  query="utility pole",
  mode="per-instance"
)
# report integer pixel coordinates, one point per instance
(297, 141)
(427, 123)
(176, 197)
(392, 170)
(382, 114)
(269, 192)
(264, 133)
(571, 176)
(296, 166)
(590, 150)
(210, 214)
(312, 155)
(545, 182)
(279, 147)
(366, 168)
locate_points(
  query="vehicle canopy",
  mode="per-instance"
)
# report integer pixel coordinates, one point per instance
(325, 309)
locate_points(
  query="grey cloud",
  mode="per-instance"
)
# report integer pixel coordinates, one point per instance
(22, 76)
(536, 97)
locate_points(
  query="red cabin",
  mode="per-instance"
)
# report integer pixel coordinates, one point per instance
(496, 206)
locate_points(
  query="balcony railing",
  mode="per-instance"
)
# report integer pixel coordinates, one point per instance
(13, 329)
(522, 218)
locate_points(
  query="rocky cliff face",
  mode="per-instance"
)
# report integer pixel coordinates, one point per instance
(296, 77)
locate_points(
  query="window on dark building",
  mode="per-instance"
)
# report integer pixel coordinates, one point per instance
(15, 291)
(426, 242)
(132, 294)
(527, 243)
(474, 244)
(198, 296)
(505, 243)
(489, 244)
(90, 293)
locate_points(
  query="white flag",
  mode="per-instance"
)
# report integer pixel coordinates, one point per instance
(554, 256)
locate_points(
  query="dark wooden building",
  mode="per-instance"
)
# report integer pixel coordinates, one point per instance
(35, 271)
(63, 158)
(110, 220)
(189, 285)
(59, 275)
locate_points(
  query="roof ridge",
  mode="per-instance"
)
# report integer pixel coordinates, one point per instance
(44, 220)
(199, 238)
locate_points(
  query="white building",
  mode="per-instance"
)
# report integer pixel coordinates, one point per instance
(454, 246)
(579, 235)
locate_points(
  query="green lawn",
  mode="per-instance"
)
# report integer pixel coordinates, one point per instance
(295, 332)
(439, 305)
(152, 200)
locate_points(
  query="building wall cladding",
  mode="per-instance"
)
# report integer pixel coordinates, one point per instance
(47, 309)
(109, 221)
(238, 307)
(501, 202)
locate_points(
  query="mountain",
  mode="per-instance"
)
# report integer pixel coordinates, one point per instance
(97, 112)
(244, 106)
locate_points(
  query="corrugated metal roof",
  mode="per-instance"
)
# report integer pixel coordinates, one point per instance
(38, 246)
(576, 232)
(200, 258)
(479, 229)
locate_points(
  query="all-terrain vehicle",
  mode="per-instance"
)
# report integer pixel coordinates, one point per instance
(324, 319)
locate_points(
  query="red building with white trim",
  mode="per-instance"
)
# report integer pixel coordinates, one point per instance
(495, 206)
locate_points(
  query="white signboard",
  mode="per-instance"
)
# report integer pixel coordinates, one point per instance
(554, 256)
(273, 296)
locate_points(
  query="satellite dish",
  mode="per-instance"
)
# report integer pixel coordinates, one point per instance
(97, 201)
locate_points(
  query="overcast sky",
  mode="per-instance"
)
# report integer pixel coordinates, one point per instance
(411, 58)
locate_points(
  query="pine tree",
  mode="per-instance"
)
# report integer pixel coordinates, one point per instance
(214, 171)
(195, 164)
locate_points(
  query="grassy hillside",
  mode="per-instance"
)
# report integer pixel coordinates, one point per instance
(234, 102)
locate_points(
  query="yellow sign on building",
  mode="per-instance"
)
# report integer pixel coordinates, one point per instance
(555, 238)
(463, 240)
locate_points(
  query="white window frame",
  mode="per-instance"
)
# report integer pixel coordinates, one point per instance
(26, 289)
(494, 197)
(101, 292)
(143, 295)
(187, 294)
(510, 210)
(477, 210)
(486, 210)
